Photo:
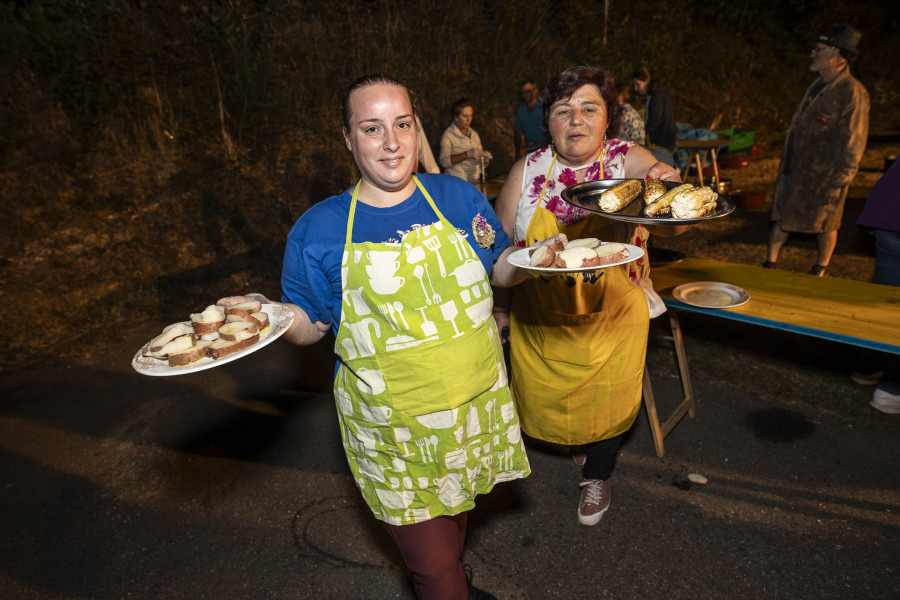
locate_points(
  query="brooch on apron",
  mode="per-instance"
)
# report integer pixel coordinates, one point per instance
(484, 233)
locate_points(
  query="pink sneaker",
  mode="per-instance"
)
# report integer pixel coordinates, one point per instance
(579, 458)
(594, 501)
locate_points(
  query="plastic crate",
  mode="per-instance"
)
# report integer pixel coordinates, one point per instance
(743, 140)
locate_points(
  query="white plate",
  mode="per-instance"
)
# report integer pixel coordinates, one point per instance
(280, 318)
(520, 259)
(710, 294)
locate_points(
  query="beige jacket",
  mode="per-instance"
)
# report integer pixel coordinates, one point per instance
(821, 155)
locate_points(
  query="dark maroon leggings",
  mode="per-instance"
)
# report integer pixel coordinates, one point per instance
(432, 551)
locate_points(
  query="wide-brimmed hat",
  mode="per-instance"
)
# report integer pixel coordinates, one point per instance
(843, 37)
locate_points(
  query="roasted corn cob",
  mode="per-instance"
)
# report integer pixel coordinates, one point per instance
(653, 190)
(694, 203)
(619, 196)
(662, 205)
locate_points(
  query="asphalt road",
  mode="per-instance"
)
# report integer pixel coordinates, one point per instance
(231, 484)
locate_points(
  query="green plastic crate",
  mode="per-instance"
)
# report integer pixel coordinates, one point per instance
(743, 140)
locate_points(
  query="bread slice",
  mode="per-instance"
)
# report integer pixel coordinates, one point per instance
(179, 344)
(611, 252)
(198, 351)
(261, 319)
(236, 330)
(542, 256)
(169, 333)
(576, 258)
(224, 348)
(591, 242)
(209, 320)
(237, 314)
(250, 307)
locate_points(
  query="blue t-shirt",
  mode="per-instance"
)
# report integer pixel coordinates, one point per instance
(531, 123)
(311, 275)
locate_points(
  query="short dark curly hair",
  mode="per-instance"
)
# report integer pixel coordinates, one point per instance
(566, 83)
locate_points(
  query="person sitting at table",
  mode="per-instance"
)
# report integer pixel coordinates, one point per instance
(578, 341)
(662, 131)
(461, 150)
(390, 266)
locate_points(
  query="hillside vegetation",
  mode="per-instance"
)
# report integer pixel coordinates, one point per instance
(154, 154)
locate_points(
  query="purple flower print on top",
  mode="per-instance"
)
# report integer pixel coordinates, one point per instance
(536, 155)
(536, 186)
(567, 177)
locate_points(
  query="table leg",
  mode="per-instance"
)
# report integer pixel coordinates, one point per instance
(715, 169)
(687, 404)
(699, 166)
(652, 416)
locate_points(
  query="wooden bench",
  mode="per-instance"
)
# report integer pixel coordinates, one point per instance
(852, 312)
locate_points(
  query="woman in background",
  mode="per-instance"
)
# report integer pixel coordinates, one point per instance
(461, 150)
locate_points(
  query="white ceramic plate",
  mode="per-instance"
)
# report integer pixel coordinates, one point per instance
(710, 294)
(280, 318)
(520, 259)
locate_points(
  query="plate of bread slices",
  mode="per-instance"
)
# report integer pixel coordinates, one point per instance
(584, 254)
(212, 337)
(652, 202)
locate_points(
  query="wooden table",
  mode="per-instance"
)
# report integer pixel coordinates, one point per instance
(695, 148)
(852, 312)
(491, 189)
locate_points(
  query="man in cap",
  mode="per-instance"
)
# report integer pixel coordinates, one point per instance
(821, 153)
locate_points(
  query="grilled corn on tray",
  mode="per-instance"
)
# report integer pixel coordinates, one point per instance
(641, 202)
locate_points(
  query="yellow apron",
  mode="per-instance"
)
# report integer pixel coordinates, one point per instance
(579, 343)
(424, 406)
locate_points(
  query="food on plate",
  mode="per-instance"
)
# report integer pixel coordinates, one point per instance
(662, 205)
(577, 254)
(577, 258)
(583, 243)
(168, 334)
(178, 345)
(195, 352)
(620, 195)
(236, 330)
(209, 333)
(694, 203)
(248, 307)
(224, 347)
(610, 253)
(653, 190)
(209, 320)
(542, 256)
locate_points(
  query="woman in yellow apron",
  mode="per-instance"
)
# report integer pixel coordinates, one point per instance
(579, 341)
(397, 268)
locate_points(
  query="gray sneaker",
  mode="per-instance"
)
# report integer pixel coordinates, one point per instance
(886, 402)
(594, 501)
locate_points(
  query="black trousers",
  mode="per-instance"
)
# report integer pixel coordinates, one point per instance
(601, 458)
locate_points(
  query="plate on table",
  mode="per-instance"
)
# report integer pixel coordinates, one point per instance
(520, 259)
(280, 318)
(711, 294)
(586, 194)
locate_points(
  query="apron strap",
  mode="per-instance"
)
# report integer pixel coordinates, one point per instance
(356, 194)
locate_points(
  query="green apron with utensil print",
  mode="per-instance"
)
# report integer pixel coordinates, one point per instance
(424, 407)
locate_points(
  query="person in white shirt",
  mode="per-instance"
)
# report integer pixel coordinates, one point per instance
(461, 151)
